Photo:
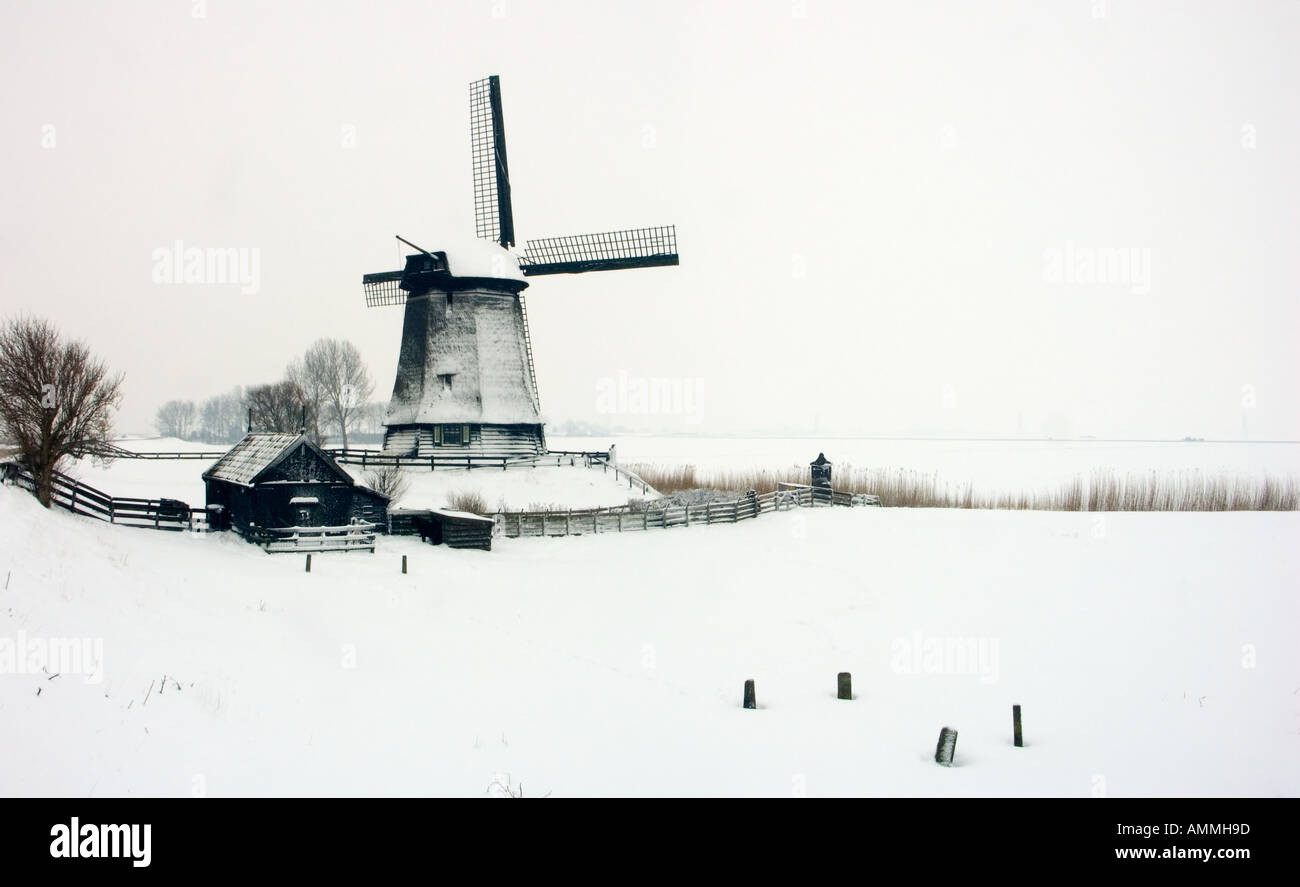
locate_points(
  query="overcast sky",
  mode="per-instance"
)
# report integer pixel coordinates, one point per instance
(1073, 217)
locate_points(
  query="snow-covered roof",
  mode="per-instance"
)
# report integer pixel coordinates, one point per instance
(251, 456)
(461, 515)
(480, 258)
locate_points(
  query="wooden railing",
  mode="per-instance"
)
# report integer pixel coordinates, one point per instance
(80, 498)
(654, 516)
(449, 461)
(349, 537)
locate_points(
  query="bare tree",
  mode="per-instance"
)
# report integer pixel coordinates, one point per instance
(373, 415)
(176, 418)
(336, 382)
(222, 417)
(56, 399)
(388, 480)
(281, 406)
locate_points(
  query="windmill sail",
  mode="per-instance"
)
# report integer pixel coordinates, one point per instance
(493, 215)
(466, 380)
(607, 251)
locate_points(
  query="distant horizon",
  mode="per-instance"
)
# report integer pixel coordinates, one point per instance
(136, 435)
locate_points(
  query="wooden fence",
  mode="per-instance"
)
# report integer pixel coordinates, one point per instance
(447, 461)
(83, 499)
(516, 524)
(349, 537)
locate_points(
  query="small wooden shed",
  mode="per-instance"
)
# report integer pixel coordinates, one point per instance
(455, 529)
(271, 480)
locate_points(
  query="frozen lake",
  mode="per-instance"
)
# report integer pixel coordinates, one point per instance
(989, 464)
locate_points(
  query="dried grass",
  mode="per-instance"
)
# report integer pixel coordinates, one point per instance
(1103, 490)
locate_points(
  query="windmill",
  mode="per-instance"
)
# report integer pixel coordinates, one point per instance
(465, 376)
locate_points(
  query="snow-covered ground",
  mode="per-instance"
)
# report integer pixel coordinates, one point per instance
(613, 664)
(533, 489)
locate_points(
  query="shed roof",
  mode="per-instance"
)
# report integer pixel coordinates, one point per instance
(257, 452)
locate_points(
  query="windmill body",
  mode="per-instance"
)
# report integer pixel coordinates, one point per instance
(465, 376)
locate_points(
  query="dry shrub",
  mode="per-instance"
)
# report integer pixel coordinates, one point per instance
(388, 480)
(471, 501)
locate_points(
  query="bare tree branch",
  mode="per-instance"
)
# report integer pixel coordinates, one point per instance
(56, 399)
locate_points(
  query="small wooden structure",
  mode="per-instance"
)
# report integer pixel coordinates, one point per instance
(455, 529)
(820, 473)
(281, 489)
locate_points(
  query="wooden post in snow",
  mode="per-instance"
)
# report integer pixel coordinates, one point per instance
(1017, 737)
(844, 686)
(309, 563)
(403, 564)
(750, 700)
(947, 747)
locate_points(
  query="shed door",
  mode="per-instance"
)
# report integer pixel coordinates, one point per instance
(306, 511)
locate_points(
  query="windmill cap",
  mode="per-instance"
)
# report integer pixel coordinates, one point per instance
(481, 258)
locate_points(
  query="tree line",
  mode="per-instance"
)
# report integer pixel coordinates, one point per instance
(57, 400)
(326, 391)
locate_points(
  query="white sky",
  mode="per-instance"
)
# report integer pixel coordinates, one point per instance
(915, 161)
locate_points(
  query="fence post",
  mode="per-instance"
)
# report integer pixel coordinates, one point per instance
(309, 563)
(568, 518)
(947, 747)
(645, 519)
(403, 563)
(751, 701)
(708, 512)
(1017, 737)
(844, 686)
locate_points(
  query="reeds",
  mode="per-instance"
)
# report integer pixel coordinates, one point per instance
(1102, 490)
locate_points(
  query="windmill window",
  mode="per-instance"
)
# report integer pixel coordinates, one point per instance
(445, 379)
(455, 435)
